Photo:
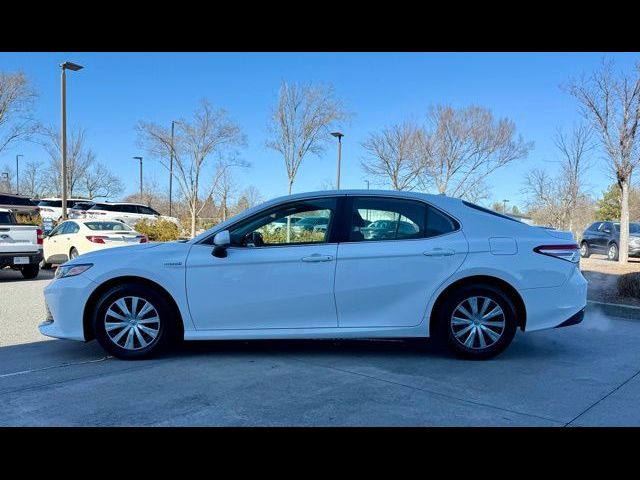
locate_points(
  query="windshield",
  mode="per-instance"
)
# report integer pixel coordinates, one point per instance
(110, 226)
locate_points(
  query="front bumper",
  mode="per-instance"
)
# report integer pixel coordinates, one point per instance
(65, 299)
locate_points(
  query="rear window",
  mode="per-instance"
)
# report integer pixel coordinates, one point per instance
(101, 206)
(6, 218)
(490, 212)
(82, 206)
(14, 200)
(50, 203)
(119, 226)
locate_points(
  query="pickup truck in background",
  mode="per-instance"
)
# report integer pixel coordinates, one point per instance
(20, 245)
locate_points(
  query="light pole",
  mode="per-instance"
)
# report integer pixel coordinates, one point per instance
(74, 67)
(367, 184)
(339, 136)
(140, 158)
(17, 176)
(504, 206)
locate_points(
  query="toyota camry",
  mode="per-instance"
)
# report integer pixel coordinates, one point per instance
(461, 273)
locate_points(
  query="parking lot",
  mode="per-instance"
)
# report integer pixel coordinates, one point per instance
(577, 376)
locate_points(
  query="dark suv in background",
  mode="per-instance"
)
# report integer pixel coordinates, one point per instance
(604, 237)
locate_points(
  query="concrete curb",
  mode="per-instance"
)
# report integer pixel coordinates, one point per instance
(615, 309)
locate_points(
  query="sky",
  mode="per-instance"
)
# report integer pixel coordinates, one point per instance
(116, 90)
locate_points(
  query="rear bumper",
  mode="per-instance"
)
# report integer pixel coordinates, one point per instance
(550, 307)
(7, 259)
(573, 320)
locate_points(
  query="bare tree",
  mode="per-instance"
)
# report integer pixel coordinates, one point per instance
(575, 150)
(545, 198)
(462, 147)
(7, 179)
(98, 181)
(16, 108)
(249, 197)
(393, 156)
(34, 179)
(612, 104)
(300, 123)
(210, 133)
(79, 159)
(224, 189)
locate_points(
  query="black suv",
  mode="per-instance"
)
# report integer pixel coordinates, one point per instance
(604, 237)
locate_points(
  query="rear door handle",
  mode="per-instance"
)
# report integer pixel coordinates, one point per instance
(316, 257)
(439, 252)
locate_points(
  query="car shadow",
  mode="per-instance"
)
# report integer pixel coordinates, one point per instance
(9, 275)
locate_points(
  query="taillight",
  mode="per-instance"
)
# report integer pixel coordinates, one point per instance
(96, 238)
(143, 238)
(40, 237)
(569, 252)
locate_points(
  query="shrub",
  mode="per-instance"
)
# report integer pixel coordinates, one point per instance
(26, 219)
(158, 231)
(629, 285)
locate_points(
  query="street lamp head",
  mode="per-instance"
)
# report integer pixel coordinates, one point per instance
(71, 66)
(338, 135)
(137, 158)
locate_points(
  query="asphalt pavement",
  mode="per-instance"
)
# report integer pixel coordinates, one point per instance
(576, 376)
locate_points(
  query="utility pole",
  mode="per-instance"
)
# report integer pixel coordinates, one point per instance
(63, 128)
(140, 158)
(17, 175)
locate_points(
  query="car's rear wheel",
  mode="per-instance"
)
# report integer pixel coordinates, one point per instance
(133, 321)
(612, 253)
(477, 322)
(584, 250)
(30, 271)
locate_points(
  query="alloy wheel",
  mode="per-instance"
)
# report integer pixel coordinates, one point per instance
(477, 322)
(132, 323)
(613, 251)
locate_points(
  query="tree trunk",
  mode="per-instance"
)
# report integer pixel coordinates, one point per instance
(623, 248)
(193, 222)
(290, 185)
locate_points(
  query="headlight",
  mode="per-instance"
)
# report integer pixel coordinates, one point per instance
(72, 270)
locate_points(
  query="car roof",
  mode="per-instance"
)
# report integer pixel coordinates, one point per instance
(72, 199)
(123, 203)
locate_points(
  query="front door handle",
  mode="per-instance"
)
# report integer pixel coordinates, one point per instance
(316, 257)
(439, 252)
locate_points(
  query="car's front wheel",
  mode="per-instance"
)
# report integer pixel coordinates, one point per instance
(477, 322)
(612, 253)
(133, 321)
(584, 250)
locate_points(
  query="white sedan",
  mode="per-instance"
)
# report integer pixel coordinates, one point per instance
(462, 273)
(76, 237)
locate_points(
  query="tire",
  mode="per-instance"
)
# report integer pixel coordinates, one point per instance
(73, 253)
(116, 341)
(612, 252)
(452, 331)
(584, 250)
(30, 271)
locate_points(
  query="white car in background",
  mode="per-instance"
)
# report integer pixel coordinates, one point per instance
(76, 237)
(52, 207)
(129, 213)
(463, 274)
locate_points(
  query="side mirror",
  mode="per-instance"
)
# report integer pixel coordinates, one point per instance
(221, 241)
